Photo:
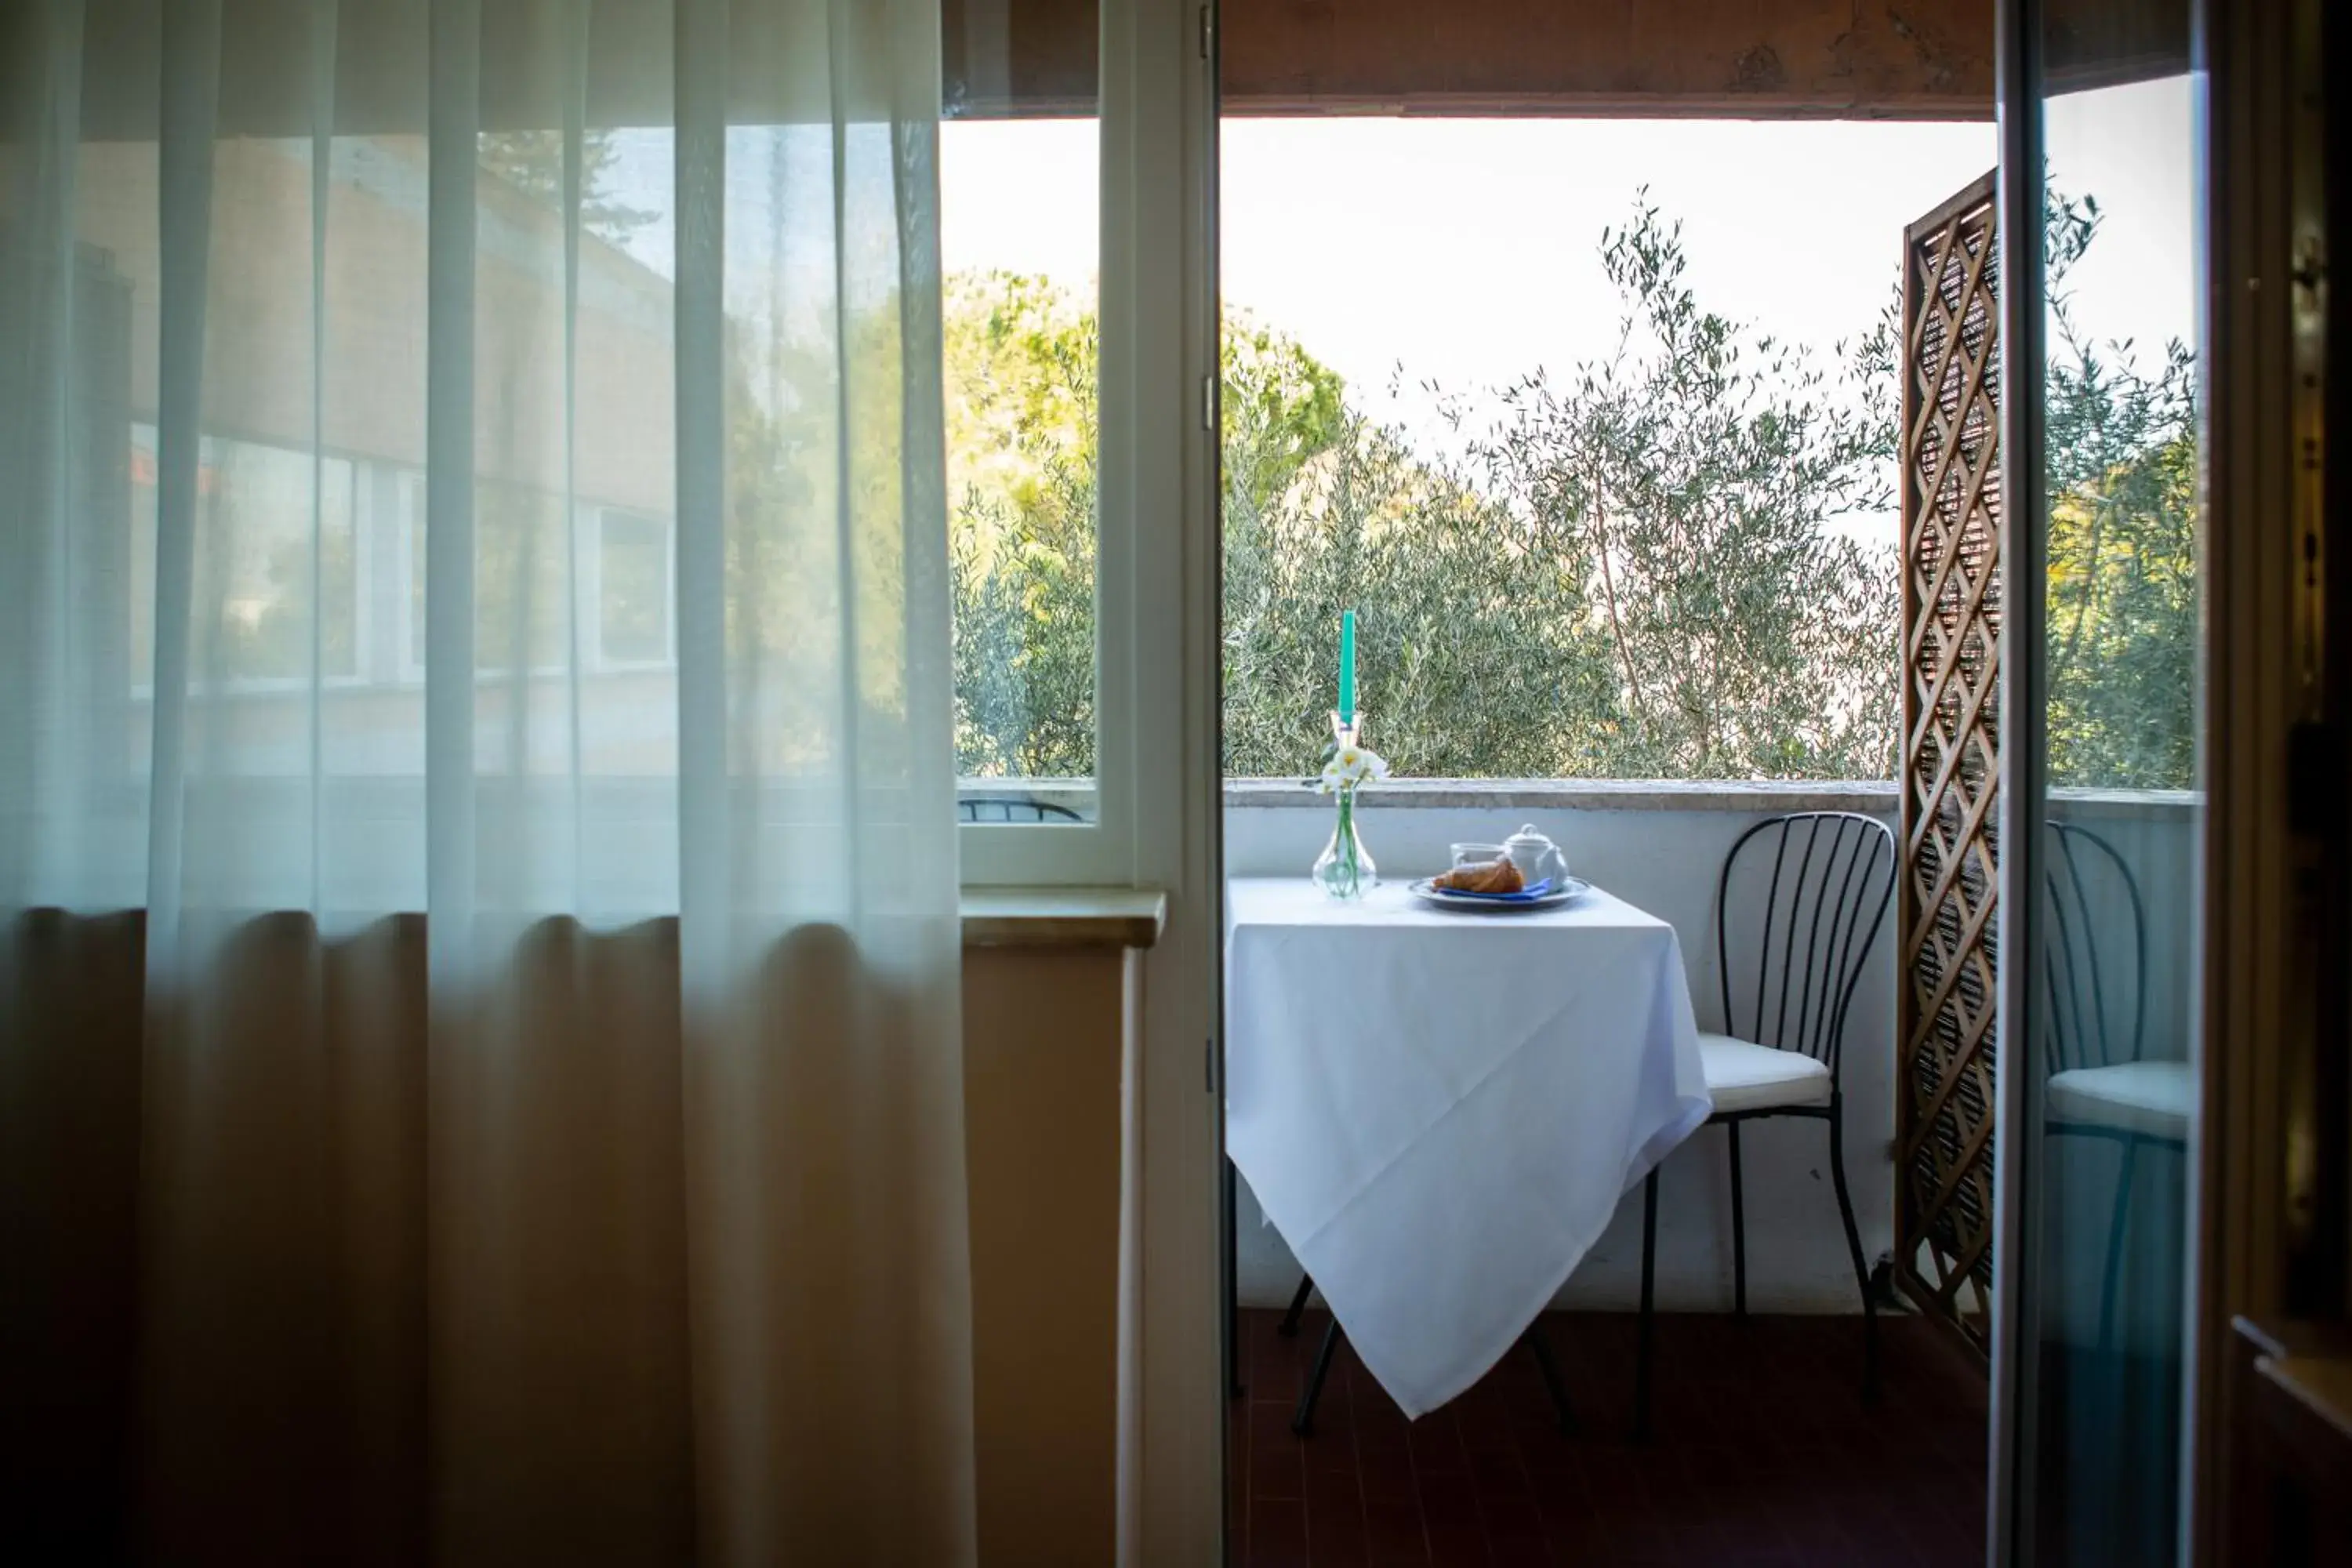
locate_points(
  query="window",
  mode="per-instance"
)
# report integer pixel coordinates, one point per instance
(1042, 565)
(633, 589)
(261, 593)
(1020, 225)
(523, 569)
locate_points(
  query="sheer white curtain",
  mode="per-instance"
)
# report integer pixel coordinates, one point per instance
(481, 459)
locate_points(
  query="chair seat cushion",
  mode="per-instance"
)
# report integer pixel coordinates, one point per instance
(2153, 1098)
(1744, 1076)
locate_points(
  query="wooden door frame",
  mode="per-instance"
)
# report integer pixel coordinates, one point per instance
(2272, 936)
(2268, 934)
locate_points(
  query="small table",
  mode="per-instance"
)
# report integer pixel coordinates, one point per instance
(1439, 1111)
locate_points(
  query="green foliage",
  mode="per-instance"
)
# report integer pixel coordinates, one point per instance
(1280, 408)
(2123, 603)
(1470, 635)
(1637, 574)
(1691, 479)
(1021, 483)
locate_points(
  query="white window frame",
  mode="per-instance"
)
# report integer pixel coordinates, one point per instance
(362, 516)
(1105, 850)
(586, 535)
(1160, 197)
(408, 485)
(1158, 783)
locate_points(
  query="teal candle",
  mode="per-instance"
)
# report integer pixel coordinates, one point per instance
(1347, 666)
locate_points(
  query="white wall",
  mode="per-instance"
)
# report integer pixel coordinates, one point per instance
(1664, 855)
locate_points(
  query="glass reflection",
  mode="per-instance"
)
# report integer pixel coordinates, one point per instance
(2112, 1090)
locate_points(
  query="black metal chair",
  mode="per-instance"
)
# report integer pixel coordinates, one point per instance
(1018, 808)
(2100, 1083)
(1833, 874)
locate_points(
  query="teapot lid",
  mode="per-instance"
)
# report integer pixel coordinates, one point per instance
(1529, 836)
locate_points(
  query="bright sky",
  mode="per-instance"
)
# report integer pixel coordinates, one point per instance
(1466, 250)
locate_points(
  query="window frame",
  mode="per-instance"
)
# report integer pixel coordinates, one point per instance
(141, 688)
(585, 535)
(1132, 268)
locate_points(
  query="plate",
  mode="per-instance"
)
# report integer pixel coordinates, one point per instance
(1568, 888)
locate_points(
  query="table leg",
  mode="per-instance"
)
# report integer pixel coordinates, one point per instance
(1649, 1284)
(1289, 1328)
(1556, 1385)
(1739, 1232)
(1232, 1267)
(1302, 1421)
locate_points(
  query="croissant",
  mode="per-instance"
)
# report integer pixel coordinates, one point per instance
(1489, 877)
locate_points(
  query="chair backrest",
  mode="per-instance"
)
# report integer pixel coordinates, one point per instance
(1826, 877)
(1013, 808)
(2094, 954)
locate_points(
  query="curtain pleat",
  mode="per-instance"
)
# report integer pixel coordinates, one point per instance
(574, 95)
(325, 16)
(36, 735)
(479, 954)
(190, 107)
(449, 655)
(704, 884)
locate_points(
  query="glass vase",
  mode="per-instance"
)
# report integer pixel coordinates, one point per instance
(1345, 869)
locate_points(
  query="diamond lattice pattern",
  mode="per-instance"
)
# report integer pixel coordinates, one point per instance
(1951, 767)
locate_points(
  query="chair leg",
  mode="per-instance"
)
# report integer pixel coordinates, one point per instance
(1854, 1246)
(1233, 1383)
(2109, 1279)
(1555, 1383)
(1302, 1420)
(1289, 1327)
(1739, 1231)
(1643, 1356)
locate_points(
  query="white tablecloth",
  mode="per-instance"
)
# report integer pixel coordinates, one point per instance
(1440, 1110)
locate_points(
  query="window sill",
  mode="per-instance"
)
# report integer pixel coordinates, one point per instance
(1063, 916)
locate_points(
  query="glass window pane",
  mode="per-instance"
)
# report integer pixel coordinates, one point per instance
(1019, 243)
(2111, 1088)
(268, 548)
(521, 568)
(634, 592)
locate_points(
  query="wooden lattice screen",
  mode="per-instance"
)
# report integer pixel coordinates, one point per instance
(1951, 767)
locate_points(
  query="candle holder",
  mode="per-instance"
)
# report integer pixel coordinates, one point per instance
(1345, 869)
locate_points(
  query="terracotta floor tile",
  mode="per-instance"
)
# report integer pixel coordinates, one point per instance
(1277, 1535)
(1277, 1463)
(1335, 1518)
(1764, 1454)
(1393, 1532)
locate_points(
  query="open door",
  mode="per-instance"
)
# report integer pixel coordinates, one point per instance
(2100, 741)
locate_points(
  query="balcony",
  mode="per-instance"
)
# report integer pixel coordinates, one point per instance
(1763, 1439)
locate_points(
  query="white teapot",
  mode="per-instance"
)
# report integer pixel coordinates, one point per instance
(1536, 856)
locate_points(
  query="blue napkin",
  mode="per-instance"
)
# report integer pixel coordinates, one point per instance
(1526, 895)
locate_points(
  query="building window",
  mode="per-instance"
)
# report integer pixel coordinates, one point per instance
(633, 592)
(277, 563)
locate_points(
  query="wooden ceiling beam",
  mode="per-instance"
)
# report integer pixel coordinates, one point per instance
(1743, 58)
(1845, 59)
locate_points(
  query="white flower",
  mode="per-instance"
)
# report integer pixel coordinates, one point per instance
(1350, 766)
